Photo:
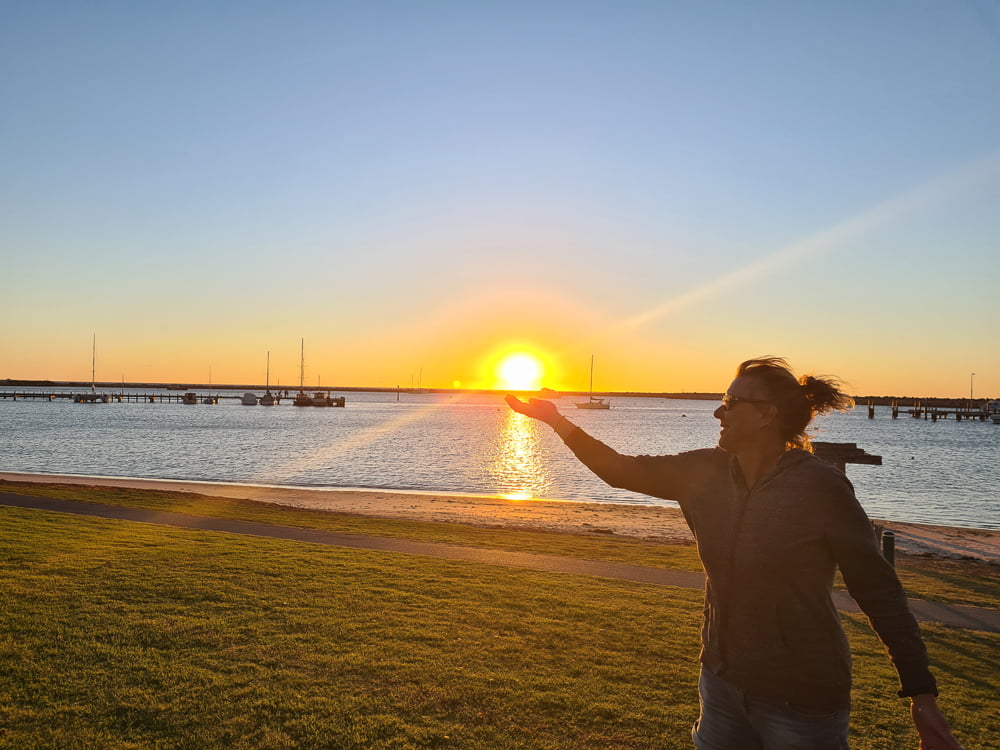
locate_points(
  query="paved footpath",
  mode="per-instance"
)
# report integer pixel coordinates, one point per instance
(955, 615)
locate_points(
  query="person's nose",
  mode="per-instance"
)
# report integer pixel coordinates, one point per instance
(719, 412)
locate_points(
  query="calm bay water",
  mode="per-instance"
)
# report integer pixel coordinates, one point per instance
(940, 473)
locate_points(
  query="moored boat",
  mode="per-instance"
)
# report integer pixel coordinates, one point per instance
(320, 398)
(593, 402)
(993, 411)
(325, 399)
(302, 398)
(268, 399)
(93, 397)
(210, 399)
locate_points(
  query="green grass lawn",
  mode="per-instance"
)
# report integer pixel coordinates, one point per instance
(596, 547)
(123, 635)
(954, 582)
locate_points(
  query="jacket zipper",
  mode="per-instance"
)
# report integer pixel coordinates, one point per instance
(722, 621)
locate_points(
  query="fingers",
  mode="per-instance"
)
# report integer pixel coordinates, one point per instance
(535, 408)
(517, 404)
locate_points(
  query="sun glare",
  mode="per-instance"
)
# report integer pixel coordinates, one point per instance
(520, 372)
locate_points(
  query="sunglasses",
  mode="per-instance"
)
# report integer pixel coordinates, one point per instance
(729, 400)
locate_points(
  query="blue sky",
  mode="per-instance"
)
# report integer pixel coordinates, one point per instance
(413, 187)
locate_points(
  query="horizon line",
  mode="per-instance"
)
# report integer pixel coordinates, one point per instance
(694, 395)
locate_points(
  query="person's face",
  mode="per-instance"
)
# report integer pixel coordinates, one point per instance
(744, 414)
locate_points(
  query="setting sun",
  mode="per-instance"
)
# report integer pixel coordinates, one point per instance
(520, 372)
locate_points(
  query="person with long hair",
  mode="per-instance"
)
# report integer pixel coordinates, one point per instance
(773, 523)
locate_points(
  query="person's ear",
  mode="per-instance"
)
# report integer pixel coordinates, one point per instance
(769, 412)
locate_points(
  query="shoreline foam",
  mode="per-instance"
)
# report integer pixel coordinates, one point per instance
(650, 522)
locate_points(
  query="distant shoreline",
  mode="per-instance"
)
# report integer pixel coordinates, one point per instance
(902, 401)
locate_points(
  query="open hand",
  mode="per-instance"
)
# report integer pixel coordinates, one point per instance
(935, 734)
(536, 408)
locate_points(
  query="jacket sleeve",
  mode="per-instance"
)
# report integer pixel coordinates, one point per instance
(873, 584)
(665, 477)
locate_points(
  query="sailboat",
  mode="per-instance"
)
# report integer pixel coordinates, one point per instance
(302, 398)
(210, 399)
(93, 397)
(322, 398)
(268, 399)
(593, 402)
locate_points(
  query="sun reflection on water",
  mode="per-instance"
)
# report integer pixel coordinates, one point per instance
(517, 469)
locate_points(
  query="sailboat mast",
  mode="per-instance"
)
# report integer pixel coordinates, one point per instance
(267, 373)
(592, 376)
(302, 367)
(93, 366)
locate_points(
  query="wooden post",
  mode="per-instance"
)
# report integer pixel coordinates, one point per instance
(889, 547)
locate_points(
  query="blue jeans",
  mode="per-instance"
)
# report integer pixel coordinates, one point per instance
(731, 720)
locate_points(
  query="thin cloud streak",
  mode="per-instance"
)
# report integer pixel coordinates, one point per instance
(922, 197)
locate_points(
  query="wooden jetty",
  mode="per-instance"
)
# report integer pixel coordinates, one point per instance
(933, 412)
(322, 397)
(841, 454)
(122, 397)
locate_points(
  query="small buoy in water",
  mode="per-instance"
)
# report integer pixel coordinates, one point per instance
(683, 415)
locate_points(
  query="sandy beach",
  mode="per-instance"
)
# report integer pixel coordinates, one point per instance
(635, 521)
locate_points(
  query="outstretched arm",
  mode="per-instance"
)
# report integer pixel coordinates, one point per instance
(659, 476)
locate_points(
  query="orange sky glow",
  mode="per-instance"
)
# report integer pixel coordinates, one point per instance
(422, 192)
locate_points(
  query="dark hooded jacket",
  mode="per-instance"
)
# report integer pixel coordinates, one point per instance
(770, 554)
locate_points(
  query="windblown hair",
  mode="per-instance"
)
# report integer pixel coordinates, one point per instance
(798, 400)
